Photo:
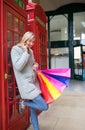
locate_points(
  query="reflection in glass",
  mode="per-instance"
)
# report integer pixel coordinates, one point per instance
(77, 60)
(77, 52)
(9, 56)
(16, 38)
(9, 20)
(9, 38)
(10, 72)
(59, 57)
(79, 26)
(10, 79)
(17, 107)
(21, 26)
(59, 29)
(16, 23)
(17, 93)
(83, 64)
(83, 38)
(10, 92)
(84, 60)
(11, 111)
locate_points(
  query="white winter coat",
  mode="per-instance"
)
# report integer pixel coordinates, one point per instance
(25, 76)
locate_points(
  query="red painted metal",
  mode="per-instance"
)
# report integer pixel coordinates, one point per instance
(36, 19)
(10, 118)
(2, 89)
(13, 24)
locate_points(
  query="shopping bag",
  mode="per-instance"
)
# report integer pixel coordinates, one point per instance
(53, 82)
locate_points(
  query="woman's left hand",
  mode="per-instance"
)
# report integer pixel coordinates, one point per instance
(35, 66)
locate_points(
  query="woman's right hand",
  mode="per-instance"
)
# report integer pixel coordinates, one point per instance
(25, 48)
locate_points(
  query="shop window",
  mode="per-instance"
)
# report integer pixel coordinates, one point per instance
(59, 29)
(79, 26)
(59, 57)
(77, 60)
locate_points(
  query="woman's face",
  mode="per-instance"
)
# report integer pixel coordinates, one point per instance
(30, 42)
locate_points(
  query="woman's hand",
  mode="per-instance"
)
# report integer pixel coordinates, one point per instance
(35, 67)
(25, 48)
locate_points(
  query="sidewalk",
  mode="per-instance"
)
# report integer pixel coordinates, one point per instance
(67, 112)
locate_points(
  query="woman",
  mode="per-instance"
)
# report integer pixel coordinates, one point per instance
(25, 67)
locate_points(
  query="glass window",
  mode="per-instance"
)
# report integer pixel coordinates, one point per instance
(11, 110)
(79, 26)
(9, 20)
(9, 38)
(59, 57)
(77, 60)
(21, 26)
(11, 92)
(16, 21)
(9, 56)
(84, 58)
(16, 38)
(59, 29)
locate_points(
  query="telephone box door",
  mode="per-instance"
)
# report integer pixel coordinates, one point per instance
(14, 27)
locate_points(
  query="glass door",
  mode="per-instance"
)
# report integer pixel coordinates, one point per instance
(83, 54)
(78, 68)
(79, 45)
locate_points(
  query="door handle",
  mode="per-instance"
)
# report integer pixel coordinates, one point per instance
(5, 75)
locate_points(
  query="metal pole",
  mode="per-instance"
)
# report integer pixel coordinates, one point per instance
(70, 39)
(49, 44)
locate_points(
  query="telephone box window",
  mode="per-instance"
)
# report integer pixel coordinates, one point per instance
(9, 38)
(16, 21)
(16, 38)
(21, 26)
(9, 20)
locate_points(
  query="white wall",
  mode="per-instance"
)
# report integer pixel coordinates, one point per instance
(59, 61)
(60, 58)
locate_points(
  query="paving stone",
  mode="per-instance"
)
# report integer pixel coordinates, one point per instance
(67, 112)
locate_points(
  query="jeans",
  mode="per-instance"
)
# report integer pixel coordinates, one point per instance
(37, 103)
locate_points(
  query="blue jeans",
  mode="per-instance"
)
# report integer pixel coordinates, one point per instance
(37, 103)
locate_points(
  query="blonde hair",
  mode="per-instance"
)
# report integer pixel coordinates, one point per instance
(26, 36)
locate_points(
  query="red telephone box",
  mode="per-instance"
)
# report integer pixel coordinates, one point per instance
(36, 20)
(14, 22)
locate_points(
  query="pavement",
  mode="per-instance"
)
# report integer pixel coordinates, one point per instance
(67, 112)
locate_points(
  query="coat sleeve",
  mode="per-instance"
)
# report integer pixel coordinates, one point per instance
(19, 61)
